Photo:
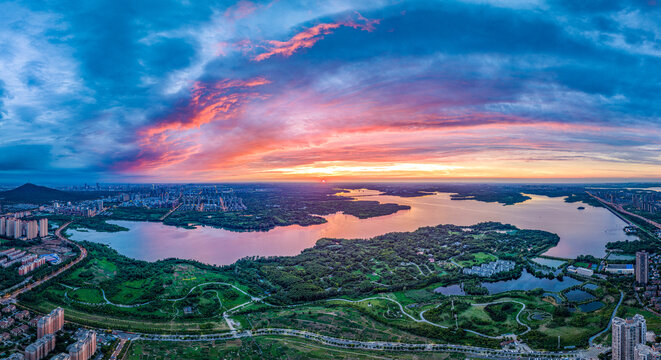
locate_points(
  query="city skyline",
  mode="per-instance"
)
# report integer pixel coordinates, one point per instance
(289, 90)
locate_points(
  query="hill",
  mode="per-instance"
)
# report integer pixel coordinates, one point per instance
(35, 194)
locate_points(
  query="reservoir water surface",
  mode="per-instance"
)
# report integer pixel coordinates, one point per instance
(581, 231)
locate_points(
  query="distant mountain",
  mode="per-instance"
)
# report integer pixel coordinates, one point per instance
(35, 194)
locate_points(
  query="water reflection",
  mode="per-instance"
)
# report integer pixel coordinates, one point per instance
(529, 282)
(581, 232)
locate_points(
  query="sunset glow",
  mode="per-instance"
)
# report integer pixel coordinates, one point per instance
(284, 91)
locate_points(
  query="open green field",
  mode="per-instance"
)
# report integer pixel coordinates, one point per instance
(475, 259)
(137, 325)
(92, 296)
(653, 321)
(143, 296)
(270, 347)
(339, 321)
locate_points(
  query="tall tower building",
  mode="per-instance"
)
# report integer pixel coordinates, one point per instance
(85, 347)
(642, 267)
(43, 227)
(627, 333)
(50, 323)
(32, 229)
(9, 229)
(40, 348)
(3, 225)
(18, 228)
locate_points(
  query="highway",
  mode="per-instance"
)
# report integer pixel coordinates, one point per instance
(615, 207)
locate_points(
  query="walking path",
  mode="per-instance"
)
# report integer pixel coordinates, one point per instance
(523, 307)
(610, 322)
(423, 320)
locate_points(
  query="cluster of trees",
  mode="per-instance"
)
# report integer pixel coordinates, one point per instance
(341, 267)
(97, 223)
(335, 267)
(274, 205)
(506, 194)
(137, 214)
(499, 312)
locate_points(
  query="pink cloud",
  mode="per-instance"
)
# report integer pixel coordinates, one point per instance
(308, 37)
(240, 10)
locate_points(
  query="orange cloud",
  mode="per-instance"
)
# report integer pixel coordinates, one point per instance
(308, 37)
(169, 141)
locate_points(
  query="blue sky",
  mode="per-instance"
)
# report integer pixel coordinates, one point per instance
(222, 91)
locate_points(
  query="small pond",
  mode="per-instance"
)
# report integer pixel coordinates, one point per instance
(591, 306)
(591, 286)
(578, 296)
(528, 281)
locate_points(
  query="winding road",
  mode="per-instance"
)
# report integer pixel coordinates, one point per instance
(423, 320)
(81, 256)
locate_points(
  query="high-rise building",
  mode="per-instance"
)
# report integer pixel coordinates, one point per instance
(642, 267)
(18, 228)
(644, 352)
(3, 225)
(627, 333)
(32, 227)
(43, 227)
(40, 348)
(50, 323)
(9, 227)
(85, 347)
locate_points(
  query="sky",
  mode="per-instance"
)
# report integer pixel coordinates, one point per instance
(212, 91)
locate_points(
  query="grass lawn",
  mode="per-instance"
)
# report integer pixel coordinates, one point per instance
(93, 296)
(653, 321)
(339, 321)
(478, 259)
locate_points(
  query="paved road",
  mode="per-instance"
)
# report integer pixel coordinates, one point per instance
(621, 209)
(81, 256)
(365, 345)
(423, 320)
(170, 212)
(118, 349)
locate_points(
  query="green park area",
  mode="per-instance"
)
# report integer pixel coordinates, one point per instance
(270, 347)
(378, 289)
(475, 259)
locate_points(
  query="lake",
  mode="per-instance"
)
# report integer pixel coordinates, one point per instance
(581, 232)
